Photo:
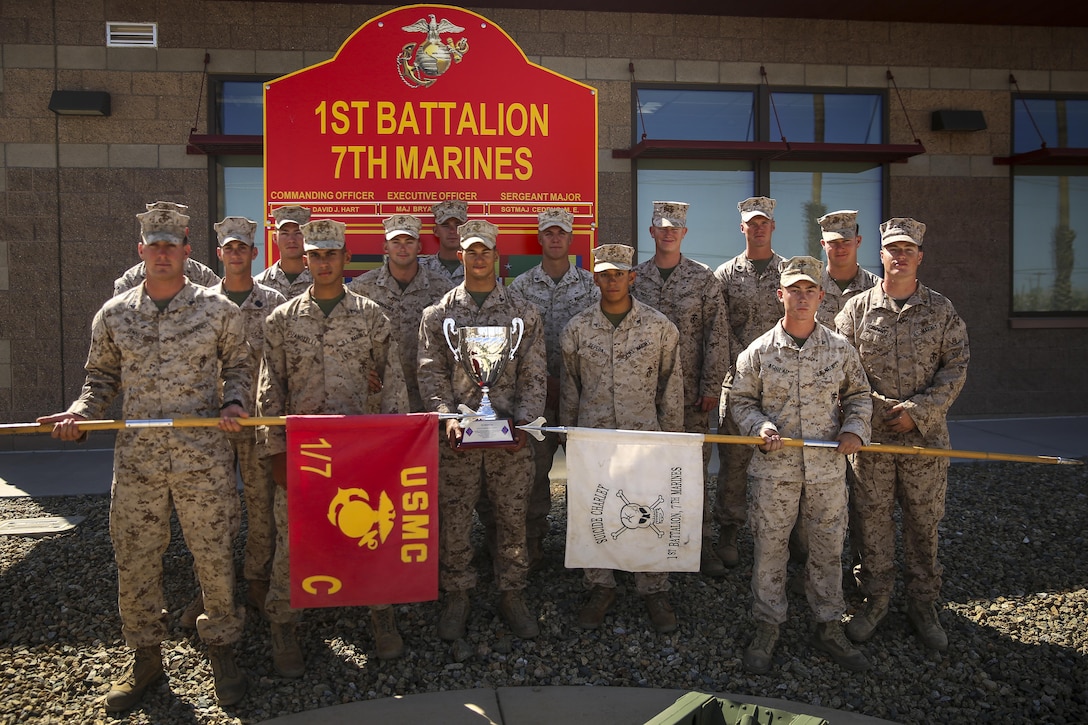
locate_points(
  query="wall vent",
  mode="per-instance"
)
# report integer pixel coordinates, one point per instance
(132, 35)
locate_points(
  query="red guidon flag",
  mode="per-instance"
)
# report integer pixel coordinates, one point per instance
(362, 502)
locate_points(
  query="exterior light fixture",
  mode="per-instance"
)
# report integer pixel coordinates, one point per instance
(80, 103)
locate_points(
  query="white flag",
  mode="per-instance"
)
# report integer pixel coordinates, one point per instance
(634, 500)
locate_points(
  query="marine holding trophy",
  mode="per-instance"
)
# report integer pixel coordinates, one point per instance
(483, 347)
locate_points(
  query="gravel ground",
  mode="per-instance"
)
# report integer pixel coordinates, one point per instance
(1015, 607)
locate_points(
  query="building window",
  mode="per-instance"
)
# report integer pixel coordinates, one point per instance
(712, 188)
(239, 107)
(238, 179)
(697, 115)
(1050, 207)
(713, 177)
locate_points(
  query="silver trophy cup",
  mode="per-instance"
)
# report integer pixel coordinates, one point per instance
(484, 353)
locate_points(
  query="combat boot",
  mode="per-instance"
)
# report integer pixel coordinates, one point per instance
(144, 670)
(230, 682)
(192, 610)
(861, 626)
(710, 564)
(600, 601)
(661, 613)
(727, 549)
(757, 657)
(513, 609)
(454, 617)
(831, 639)
(923, 617)
(383, 622)
(286, 653)
(256, 594)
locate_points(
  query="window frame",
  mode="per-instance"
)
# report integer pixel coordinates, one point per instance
(1055, 159)
(764, 151)
(217, 145)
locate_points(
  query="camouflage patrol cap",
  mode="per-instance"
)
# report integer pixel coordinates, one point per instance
(478, 230)
(399, 224)
(902, 229)
(297, 214)
(555, 217)
(613, 256)
(163, 225)
(800, 268)
(841, 224)
(755, 206)
(235, 228)
(450, 209)
(168, 206)
(670, 214)
(323, 234)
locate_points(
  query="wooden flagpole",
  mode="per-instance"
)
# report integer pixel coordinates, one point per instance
(872, 448)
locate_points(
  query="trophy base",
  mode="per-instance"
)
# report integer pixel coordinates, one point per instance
(489, 434)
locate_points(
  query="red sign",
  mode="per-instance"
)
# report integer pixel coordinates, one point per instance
(426, 103)
(362, 502)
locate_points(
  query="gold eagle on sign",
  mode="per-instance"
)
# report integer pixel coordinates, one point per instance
(421, 66)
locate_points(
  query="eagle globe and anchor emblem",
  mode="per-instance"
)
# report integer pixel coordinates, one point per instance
(421, 66)
(351, 512)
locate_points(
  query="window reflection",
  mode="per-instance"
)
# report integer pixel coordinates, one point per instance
(239, 180)
(1050, 209)
(696, 115)
(805, 193)
(712, 189)
(1063, 123)
(1050, 234)
(240, 107)
(241, 193)
(828, 117)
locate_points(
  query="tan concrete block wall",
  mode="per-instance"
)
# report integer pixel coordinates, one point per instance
(86, 177)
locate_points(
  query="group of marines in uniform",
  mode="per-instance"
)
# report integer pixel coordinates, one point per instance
(771, 347)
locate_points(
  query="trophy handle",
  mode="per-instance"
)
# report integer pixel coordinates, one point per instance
(449, 325)
(518, 326)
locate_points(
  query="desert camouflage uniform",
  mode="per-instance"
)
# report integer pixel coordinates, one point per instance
(197, 273)
(833, 301)
(276, 278)
(519, 393)
(170, 364)
(257, 485)
(917, 356)
(557, 304)
(835, 298)
(318, 365)
(623, 377)
(804, 392)
(432, 263)
(404, 308)
(692, 300)
(752, 301)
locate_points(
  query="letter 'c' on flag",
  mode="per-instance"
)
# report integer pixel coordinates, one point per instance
(362, 507)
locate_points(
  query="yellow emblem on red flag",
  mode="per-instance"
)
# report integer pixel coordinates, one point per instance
(362, 506)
